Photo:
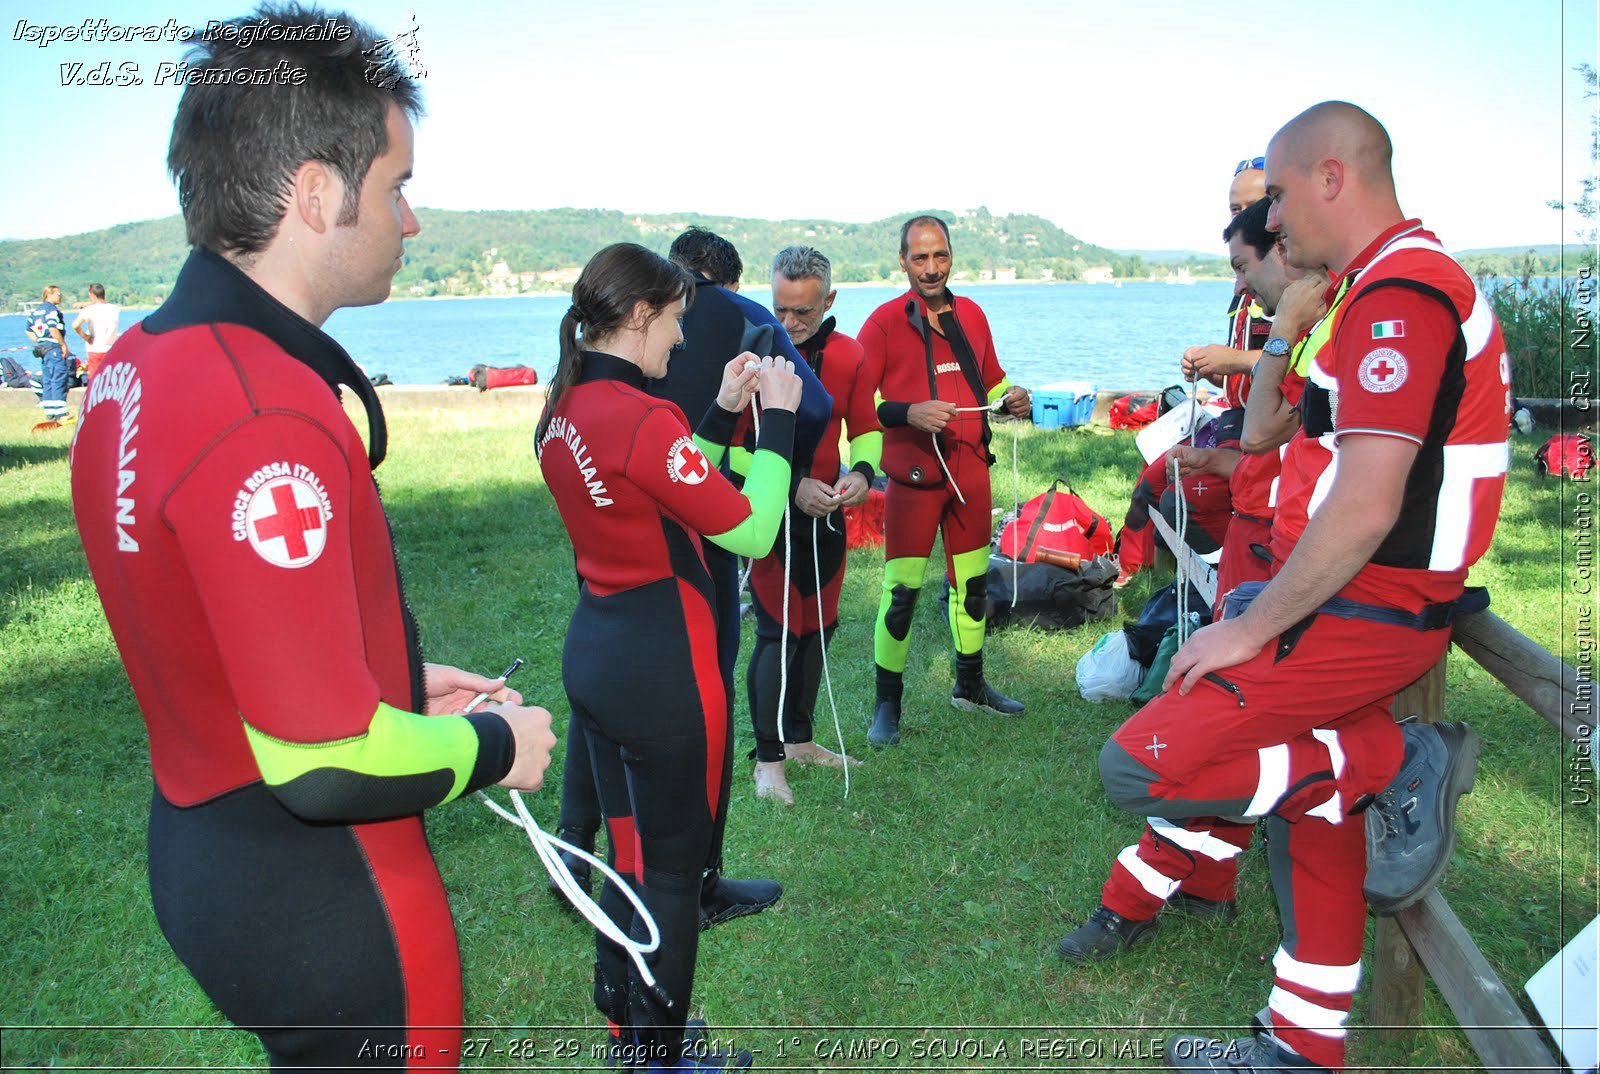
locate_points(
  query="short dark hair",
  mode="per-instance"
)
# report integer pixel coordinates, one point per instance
(241, 133)
(918, 221)
(1251, 227)
(712, 256)
(98, 290)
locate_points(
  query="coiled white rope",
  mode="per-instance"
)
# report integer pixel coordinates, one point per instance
(549, 847)
(1181, 509)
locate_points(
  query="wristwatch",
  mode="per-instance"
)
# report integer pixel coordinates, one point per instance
(1276, 346)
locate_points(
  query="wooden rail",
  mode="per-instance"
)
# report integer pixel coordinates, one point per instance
(1429, 936)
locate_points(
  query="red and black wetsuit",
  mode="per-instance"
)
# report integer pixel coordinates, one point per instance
(635, 492)
(241, 552)
(907, 361)
(835, 358)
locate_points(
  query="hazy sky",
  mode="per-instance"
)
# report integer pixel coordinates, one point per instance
(1120, 122)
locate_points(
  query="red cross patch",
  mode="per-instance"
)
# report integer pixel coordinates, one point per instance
(285, 523)
(1382, 371)
(686, 463)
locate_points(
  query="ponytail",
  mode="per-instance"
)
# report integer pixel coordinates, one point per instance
(615, 278)
(569, 367)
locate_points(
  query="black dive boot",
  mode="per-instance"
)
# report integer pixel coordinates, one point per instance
(973, 694)
(722, 899)
(885, 729)
(580, 869)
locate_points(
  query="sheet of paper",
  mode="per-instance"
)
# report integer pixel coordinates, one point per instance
(1564, 992)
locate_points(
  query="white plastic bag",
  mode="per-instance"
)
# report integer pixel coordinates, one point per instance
(1106, 672)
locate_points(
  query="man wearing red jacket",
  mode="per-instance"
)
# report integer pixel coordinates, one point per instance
(1389, 493)
(231, 522)
(932, 359)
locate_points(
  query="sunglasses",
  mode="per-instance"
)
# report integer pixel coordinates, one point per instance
(1255, 163)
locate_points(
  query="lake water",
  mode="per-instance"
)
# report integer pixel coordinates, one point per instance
(1115, 337)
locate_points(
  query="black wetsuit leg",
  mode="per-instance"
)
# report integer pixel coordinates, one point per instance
(656, 740)
(724, 569)
(286, 925)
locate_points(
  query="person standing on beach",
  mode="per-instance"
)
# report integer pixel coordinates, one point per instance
(103, 319)
(930, 358)
(811, 565)
(1281, 710)
(47, 329)
(246, 566)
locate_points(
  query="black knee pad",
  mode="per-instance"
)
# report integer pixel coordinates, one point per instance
(977, 602)
(902, 603)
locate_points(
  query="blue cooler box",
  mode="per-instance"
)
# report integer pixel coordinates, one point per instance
(1063, 404)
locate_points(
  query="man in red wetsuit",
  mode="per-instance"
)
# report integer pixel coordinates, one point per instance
(241, 552)
(1389, 492)
(786, 665)
(931, 358)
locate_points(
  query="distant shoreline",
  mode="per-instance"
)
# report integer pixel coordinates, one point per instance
(841, 285)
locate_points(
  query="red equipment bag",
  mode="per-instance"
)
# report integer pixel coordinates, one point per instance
(484, 377)
(1058, 520)
(1133, 412)
(863, 525)
(1571, 456)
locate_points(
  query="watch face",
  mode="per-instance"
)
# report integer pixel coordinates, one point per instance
(1277, 347)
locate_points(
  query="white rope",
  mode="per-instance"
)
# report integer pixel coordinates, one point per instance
(1182, 512)
(1016, 511)
(549, 847)
(816, 565)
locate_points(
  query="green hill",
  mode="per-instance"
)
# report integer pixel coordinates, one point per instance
(457, 252)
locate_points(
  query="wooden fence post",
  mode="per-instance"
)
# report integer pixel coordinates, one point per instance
(1398, 979)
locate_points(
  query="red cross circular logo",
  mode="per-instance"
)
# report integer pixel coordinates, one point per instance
(1382, 370)
(686, 463)
(285, 524)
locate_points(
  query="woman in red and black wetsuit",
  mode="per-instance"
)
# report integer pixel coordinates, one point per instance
(640, 665)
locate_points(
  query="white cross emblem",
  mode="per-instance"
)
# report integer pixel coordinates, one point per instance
(1156, 746)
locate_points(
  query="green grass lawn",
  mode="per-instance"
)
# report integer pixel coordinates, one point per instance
(932, 897)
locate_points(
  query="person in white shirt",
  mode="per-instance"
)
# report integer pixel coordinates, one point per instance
(102, 318)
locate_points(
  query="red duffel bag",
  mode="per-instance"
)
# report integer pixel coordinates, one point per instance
(1057, 519)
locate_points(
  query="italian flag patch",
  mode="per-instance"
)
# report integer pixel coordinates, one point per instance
(1388, 329)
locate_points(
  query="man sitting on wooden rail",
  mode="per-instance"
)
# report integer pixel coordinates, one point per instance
(1388, 494)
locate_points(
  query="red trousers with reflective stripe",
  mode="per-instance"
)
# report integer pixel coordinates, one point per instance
(1301, 738)
(1210, 506)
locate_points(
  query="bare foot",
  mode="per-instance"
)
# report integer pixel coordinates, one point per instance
(811, 753)
(772, 783)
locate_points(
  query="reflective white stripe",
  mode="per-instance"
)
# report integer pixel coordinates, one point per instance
(1274, 779)
(1478, 326)
(1324, 485)
(1463, 464)
(1330, 738)
(1334, 980)
(1160, 886)
(1322, 378)
(1331, 811)
(1198, 842)
(1308, 1016)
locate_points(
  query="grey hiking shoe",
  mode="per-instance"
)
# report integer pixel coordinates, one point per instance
(1411, 824)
